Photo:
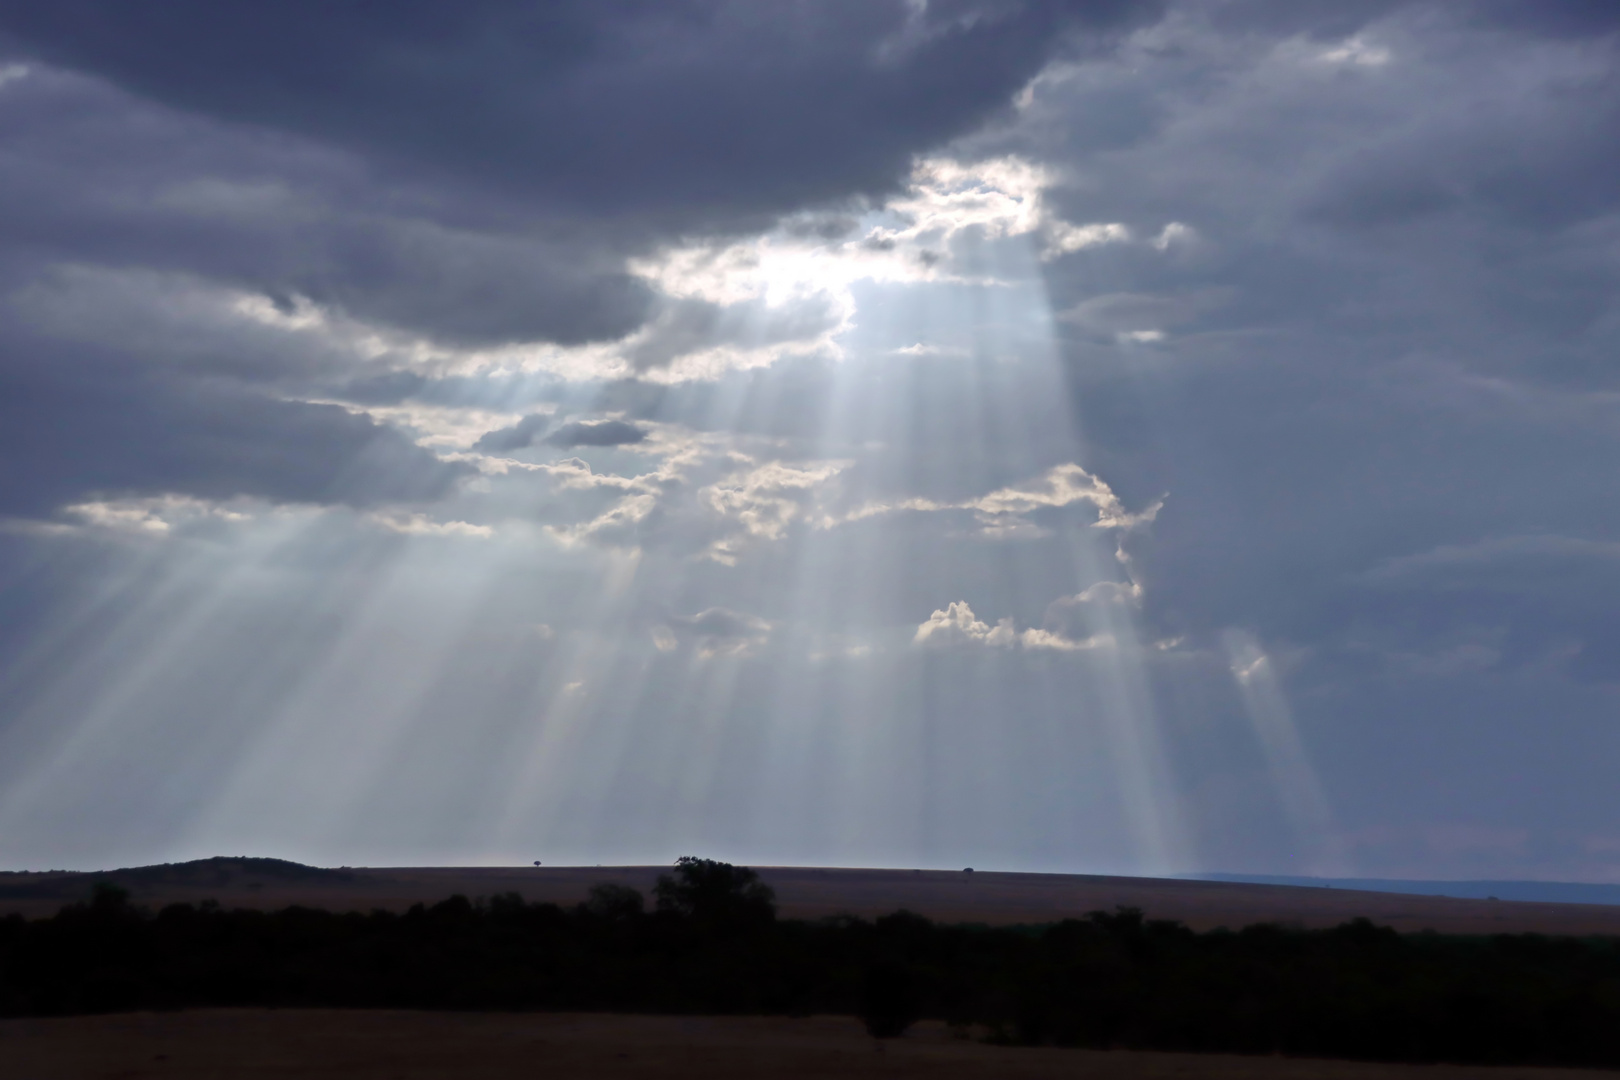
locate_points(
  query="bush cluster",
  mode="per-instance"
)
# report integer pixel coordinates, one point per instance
(713, 944)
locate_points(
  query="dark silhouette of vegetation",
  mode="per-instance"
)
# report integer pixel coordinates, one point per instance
(712, 944)
(717, 897)
(613, 903)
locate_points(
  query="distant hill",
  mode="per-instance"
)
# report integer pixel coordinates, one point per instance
(220, 872)
(1553, 892)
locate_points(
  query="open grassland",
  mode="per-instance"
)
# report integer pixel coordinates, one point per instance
(810, 893)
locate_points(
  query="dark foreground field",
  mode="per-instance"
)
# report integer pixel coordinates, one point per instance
(376, 1045)
(526, 967)
(812, 893)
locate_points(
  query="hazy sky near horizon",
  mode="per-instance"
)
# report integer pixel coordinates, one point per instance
(1092, 436)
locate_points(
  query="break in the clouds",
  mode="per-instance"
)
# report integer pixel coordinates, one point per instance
(1035, 434)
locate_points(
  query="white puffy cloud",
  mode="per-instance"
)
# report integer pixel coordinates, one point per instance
(614, 510)
(955, 625)
(720, 500)
(1005, 511)
(617, 526)
(999, 197)
(1063, 485)
(763, 501)
(787, 292)
(159, 515)
(1035, 638)
(422, 525)
(1063, 238)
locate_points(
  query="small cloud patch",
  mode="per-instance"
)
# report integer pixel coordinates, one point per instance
(519, 435)
(957, 626)
(597, 433)
(715, 631)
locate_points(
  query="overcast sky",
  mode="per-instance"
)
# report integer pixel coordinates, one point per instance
(1098, 436)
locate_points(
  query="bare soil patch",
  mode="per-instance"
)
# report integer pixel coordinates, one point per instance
(378, 1045)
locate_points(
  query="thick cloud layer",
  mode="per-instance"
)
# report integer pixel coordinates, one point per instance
(100, 433)
(683, 111)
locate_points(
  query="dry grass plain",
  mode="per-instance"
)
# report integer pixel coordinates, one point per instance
(255, 1044)
(807, 893)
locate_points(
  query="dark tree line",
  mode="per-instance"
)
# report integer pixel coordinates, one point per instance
(712, 944)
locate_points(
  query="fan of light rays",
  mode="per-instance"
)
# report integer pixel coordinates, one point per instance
(839, 603)
(857, 744)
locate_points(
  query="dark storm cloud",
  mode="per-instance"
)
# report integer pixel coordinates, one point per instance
(1289, 491)
(1324, 19)
(96, 431)
(1518, 595)
(717, 109)
(1317, 18)
(389, 389)
(1554, 18)
(1544, 166)
(92, 175)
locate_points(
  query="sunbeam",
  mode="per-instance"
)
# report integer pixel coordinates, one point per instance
(1297, 787)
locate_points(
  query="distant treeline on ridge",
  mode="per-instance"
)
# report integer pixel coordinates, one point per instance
(713, 944)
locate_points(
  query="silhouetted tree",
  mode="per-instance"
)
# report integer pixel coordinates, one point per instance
(716, 895)
(109, 900)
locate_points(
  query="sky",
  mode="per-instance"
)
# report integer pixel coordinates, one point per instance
(1098, 437)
